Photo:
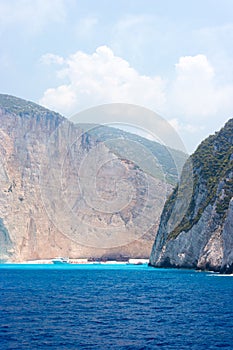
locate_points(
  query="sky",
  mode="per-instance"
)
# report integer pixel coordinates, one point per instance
(174, 57)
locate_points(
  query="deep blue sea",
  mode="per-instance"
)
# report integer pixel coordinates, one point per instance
(113, 307)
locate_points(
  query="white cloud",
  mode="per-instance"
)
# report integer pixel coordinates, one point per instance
(30, 16)
(195, 93)
(99, 78)
(60, 99)
(216, 42)
(193, 100)
(192, 90)
(190, 66)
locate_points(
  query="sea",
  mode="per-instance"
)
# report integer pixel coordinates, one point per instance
(130, 307)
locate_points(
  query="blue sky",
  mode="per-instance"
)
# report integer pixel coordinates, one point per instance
(172, 56)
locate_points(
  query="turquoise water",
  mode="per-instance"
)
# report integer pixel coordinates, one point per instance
(113, 307)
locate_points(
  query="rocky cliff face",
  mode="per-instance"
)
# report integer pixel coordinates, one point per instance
(203, 237)
(65, 193)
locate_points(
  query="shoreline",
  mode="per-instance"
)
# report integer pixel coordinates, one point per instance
(79, 262)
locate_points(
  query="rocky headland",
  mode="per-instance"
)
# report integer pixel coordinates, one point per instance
(203, 237)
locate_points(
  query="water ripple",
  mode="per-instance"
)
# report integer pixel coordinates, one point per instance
(114, 308)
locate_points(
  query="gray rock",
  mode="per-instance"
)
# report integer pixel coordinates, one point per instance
(203, 238)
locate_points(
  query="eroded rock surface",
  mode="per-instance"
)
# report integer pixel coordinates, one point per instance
(203, 238)
(65, 193)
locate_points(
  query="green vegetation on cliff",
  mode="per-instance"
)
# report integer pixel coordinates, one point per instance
(212, 178)
(17, 105)
(23, 108)
(156, 159)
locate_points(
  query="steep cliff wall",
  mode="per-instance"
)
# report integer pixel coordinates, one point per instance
(203, 238)
(63, 192)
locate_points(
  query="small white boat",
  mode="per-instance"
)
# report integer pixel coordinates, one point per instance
(60, 260)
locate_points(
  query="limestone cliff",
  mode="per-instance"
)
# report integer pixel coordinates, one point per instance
(203, 237)
(65, 193)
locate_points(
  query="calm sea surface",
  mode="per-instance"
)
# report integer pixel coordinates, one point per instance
(113, 307)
